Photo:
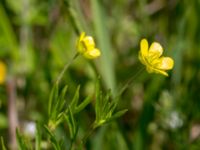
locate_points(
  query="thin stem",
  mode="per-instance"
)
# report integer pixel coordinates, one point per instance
(130, 81)
(92, 64)
(76, 25)
(12, 112)
(72, 17)
(65, 68)
(71, 144)
(88, 134)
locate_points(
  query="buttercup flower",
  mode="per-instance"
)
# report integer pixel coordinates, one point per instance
(86, 46)
(2, 72)
(152, 59)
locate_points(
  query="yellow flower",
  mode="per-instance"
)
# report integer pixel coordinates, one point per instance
(152, 59)
(86, 46)
(2, 72)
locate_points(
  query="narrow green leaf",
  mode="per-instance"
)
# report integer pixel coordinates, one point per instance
(98, 106)
(52, 97)
(71, 124)
(106, 102)
(118, 114)
(21, 143)
(97, 94)
(52, 139)
(102, 34)
(55, 100)
(81, 106)
(62, 98)
(38, 138)
(60, 101)
(114, 105)
(59, 118)
(8, 36)
(75, 99)
(97, 99)
(2, 144)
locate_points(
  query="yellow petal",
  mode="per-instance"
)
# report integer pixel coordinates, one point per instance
(142, 59)
(85, 43)
(165, 63)
(89, 42)
(161, 72)
(2, 72)
(144, 47)
(160, 65)
(82, 36)
(92, 53)
(143, 53)
(154, 70)
(79, 44)
(155, 50)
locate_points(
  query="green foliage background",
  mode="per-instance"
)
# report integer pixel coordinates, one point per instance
(37, 38)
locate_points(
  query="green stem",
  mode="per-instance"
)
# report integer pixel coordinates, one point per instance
(71, 144)
(130, 81)
(92, 64)
(72, 17)
(76, 25)
(88, 134)
(65, 68)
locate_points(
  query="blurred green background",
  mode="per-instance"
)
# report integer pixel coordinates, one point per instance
(37, 38)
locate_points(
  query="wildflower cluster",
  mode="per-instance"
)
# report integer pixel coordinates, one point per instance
(149, 56)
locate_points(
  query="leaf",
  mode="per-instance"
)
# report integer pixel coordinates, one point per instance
(118, 114)
(112, 106)
(102, 34)
(57, 106)
(38, 137)
(52, 139)
(81, 106)
(61, 100)
(2, 144)
(72, 125)
(8, 38)
(21, 142)
(52, 97)
(59, 118)
(75, 99)
(98, 99)
(106, 102)
(105, 106)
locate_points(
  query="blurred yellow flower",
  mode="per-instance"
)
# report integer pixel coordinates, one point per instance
(2, 72)
(86, 46)
(152, 59)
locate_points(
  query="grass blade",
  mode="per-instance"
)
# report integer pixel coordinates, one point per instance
(107, 61)
(2, 144)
